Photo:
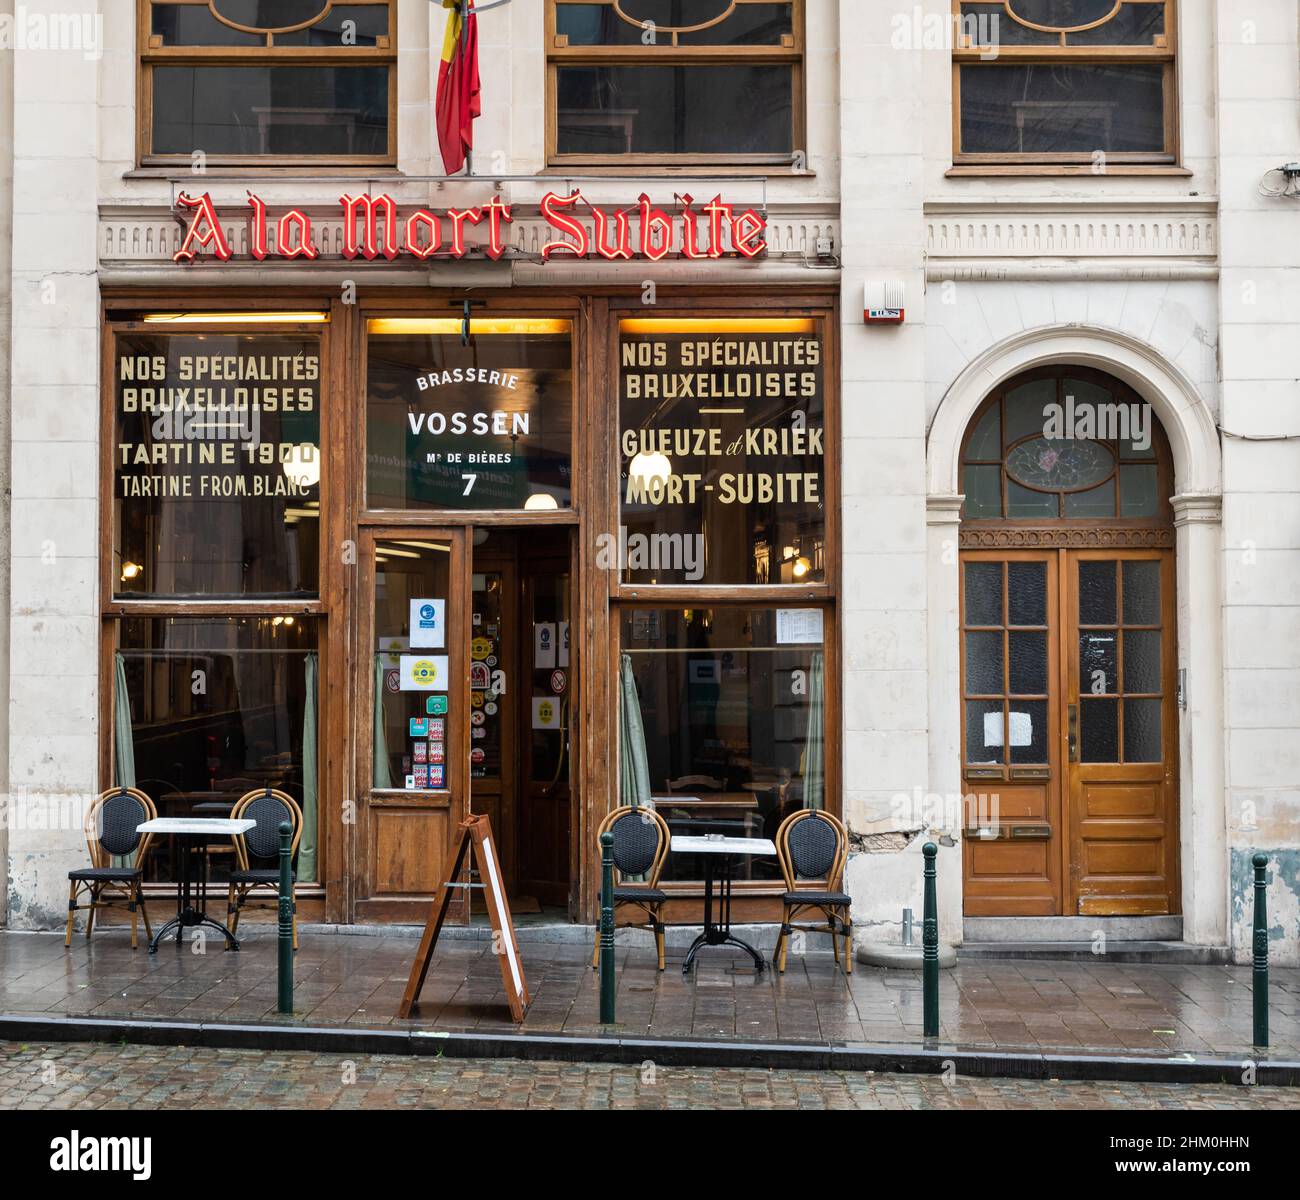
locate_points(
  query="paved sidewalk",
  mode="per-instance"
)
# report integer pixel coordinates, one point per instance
(159, 1077)
(357, 981)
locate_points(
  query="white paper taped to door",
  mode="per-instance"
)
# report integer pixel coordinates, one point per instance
(1022, 729)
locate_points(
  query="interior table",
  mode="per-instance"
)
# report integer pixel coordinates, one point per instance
(191, 897)
(720, 850)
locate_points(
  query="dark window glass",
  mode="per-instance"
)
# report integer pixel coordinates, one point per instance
(1138, 491)
(1141, 593)
(596, 25)
(748, 25)
(983, 593)
(1142, 731)
(217, 465)
(985, 732)
(983, 490)
(984, 675)
(1027, 585)
(1099, 728)
(1098, 663)
(1028, 663)
(732, 466)
(1024, 503)
(271, 110)
(989, 25)
(1097, 502)
(674, 110)
(1027, 722)
(1060, 14)
(270, 14)
(1142, 661)
(1096, 593)
(346, 25)
(194, 25)
(1062, 108)
(220, 706)
(485, 425)
(733, 706)
(1133, 25)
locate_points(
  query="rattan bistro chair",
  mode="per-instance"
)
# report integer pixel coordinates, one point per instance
(111, 833)
(640, 846)
(813, 845)
(268, 807)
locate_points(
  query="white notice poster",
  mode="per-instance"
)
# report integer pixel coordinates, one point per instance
(798, 626)
(562, 645)
(544, 645)
(428, 624)
(424, 673)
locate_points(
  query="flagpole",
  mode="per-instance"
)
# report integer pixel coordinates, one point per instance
(461, 49)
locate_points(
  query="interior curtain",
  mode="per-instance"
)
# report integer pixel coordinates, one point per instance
(382, 775)
(634, 771)
(814, 754)
(307, 844)
(123, 740)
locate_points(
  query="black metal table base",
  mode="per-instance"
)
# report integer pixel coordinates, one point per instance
(187, 915)
(718, 934)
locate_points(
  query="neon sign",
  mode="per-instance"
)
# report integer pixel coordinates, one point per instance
(373, 227)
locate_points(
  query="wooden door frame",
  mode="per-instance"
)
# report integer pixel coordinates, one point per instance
(364, 903)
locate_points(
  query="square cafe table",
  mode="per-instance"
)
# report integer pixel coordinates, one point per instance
(190, 891)
(721, 850)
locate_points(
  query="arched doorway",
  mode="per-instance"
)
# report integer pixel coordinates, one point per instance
(1068, 658)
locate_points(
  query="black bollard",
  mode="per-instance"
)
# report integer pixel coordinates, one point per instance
(1259, 975)
(930, 944)
(607, 929)
(285, 963)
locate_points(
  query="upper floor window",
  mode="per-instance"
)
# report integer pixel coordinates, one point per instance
(245, 81)
(674, 81)
(1061, 82)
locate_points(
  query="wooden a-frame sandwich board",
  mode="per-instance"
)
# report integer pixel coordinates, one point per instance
(474, 831)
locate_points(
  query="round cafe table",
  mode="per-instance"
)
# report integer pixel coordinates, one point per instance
(191, 899)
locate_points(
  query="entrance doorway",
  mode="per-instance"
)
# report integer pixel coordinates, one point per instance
(522, 677)
(1069, 665)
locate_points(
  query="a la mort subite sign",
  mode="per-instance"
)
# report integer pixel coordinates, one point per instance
(375, 227)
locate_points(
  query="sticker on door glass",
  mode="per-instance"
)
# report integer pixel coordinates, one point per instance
(421, 672)
(546, 713)
(480, 676)
(435, 705)
(544, 645)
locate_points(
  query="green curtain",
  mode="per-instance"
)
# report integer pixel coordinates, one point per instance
(634, 772)
(382, 776)
(123, 734)
(814, 754)
(307, 844)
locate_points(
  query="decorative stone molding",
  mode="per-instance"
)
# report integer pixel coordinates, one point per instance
(1028, 538)
(1202, 508)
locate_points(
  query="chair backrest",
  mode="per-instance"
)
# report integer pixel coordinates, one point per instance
(268, 808)
(697, 783)
(812, 844)
(640, 841)
(111, 825)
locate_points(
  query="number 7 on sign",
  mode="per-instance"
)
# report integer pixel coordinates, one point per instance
(469, 484)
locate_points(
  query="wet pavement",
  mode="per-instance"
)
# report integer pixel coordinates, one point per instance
(358, 981)
(64, 1076)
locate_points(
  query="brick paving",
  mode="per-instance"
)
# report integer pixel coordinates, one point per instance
(74, 1075)
(358, 981)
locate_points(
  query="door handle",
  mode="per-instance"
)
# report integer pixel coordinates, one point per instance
(1074, 732)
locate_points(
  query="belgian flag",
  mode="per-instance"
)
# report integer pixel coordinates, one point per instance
(458, 86)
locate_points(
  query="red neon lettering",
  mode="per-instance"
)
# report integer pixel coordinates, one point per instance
(458, 217)
(718, 213)
(195, 235)
(369, 206)
(422, 217)
(744, 229)
(651, 219)
(690, 234)
(257, 227)
(551, 204)
(623, 231)
(498, 211)
(295, 227)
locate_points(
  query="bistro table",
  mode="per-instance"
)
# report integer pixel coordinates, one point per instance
(191, 891)
(722, 850)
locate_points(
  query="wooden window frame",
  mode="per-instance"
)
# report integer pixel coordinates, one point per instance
(151, 53)
(1168, 159)
(559, 53)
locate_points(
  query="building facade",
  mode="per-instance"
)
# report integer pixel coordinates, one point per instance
(885, 408)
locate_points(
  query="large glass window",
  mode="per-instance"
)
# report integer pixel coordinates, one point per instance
(721, 430)
(672, 80)
(477, 422)
(731, 702)
(1065, 81)
(216, 465)
(208, 708)
(243, 81)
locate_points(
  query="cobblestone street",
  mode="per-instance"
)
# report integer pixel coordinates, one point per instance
(75, 1075)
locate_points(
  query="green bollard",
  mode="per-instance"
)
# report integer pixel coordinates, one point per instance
(930, 944)
(286, 920)
(1259, 975)
(607, 929)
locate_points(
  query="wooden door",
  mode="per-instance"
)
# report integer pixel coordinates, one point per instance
(412, 726)
(1122, 733)
(1011, 724)
(546, 704)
